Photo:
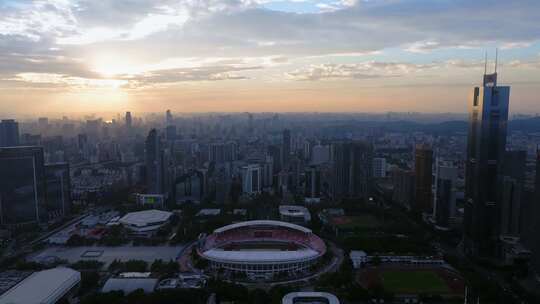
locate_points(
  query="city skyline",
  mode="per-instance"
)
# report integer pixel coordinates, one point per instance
(269, 151)
(262, 56)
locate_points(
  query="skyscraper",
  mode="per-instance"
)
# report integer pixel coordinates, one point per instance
(58, 190)
(129, 120)
(170, 132)
(313, 184)
(168, 118)
(286, 148)
(423, 178)
(403, 183)
(488, 117)
(154, 158)
(444, 203)
(9, 133)
(511, 189)
(352, 170)
(251, 179)
(536, 210)
(22, 186)
(379, 167)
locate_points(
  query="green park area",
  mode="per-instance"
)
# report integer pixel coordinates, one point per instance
(413, 282)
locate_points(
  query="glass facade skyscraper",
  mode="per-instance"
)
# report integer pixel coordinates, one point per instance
(488, 117)
(9, 133)
(58, 188)
(22, 186)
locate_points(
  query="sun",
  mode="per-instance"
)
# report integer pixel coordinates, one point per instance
(111, 66)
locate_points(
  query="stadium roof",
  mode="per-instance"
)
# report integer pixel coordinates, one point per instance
(259, 256)
(310, 297)
(129, 285)
(145, 217)
(262, 223)
(42, 287)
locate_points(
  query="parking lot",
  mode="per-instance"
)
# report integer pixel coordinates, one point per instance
(108, 254)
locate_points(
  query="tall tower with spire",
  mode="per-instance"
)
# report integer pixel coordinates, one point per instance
(486, 144)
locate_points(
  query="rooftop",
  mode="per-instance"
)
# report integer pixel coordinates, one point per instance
(262, 223)
(259, 256)
(42, 287)
(296, 211)
(310, 297)
(129, 285)
(145, 217)
(209, 212)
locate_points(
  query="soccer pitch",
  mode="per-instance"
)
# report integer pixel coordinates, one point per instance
(413, 282)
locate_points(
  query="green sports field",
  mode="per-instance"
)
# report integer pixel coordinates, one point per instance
(413, 282)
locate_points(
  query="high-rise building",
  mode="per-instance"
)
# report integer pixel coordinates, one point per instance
(352, 169)
(535, 222)
(444, 202)
(379, 167)
(423, 178)
(129, 120)
(313, 184)
(267, 169)
(488, 118)
(154, 159)
(9, 133)
(221, 152)
(22, 186)
(58, 185)
(320, 154)
(251, 179)
(43, 124)
(170, 132)
(403, 184)
(286, 148)
(512, 179)
(275, 153)
(189, 187)
(169, 118)
(93, 128)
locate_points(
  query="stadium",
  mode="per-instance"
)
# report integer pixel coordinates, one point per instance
(262, 249)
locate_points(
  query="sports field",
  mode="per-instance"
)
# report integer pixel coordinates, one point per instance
(414, 282)
(366, 221)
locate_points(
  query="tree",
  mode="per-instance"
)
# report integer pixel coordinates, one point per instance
(259, 296)
(89, 281)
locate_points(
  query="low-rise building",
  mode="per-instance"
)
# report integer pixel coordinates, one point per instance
(129, 285)
(294, 214)
(145, 222)
(358, 258)
(310, 297)
(44, 287)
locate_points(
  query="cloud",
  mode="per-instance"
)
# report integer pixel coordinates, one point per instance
(57, 36)
(171, 76)
(59, 80)
(364, 70)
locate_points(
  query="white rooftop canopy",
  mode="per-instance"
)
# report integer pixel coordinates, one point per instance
(259, 256)
(262, 223)
(42, 287)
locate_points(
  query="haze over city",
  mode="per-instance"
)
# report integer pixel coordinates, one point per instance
(70, 56)
(269, 151)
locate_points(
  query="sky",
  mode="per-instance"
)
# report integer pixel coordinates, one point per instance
(74, 56)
